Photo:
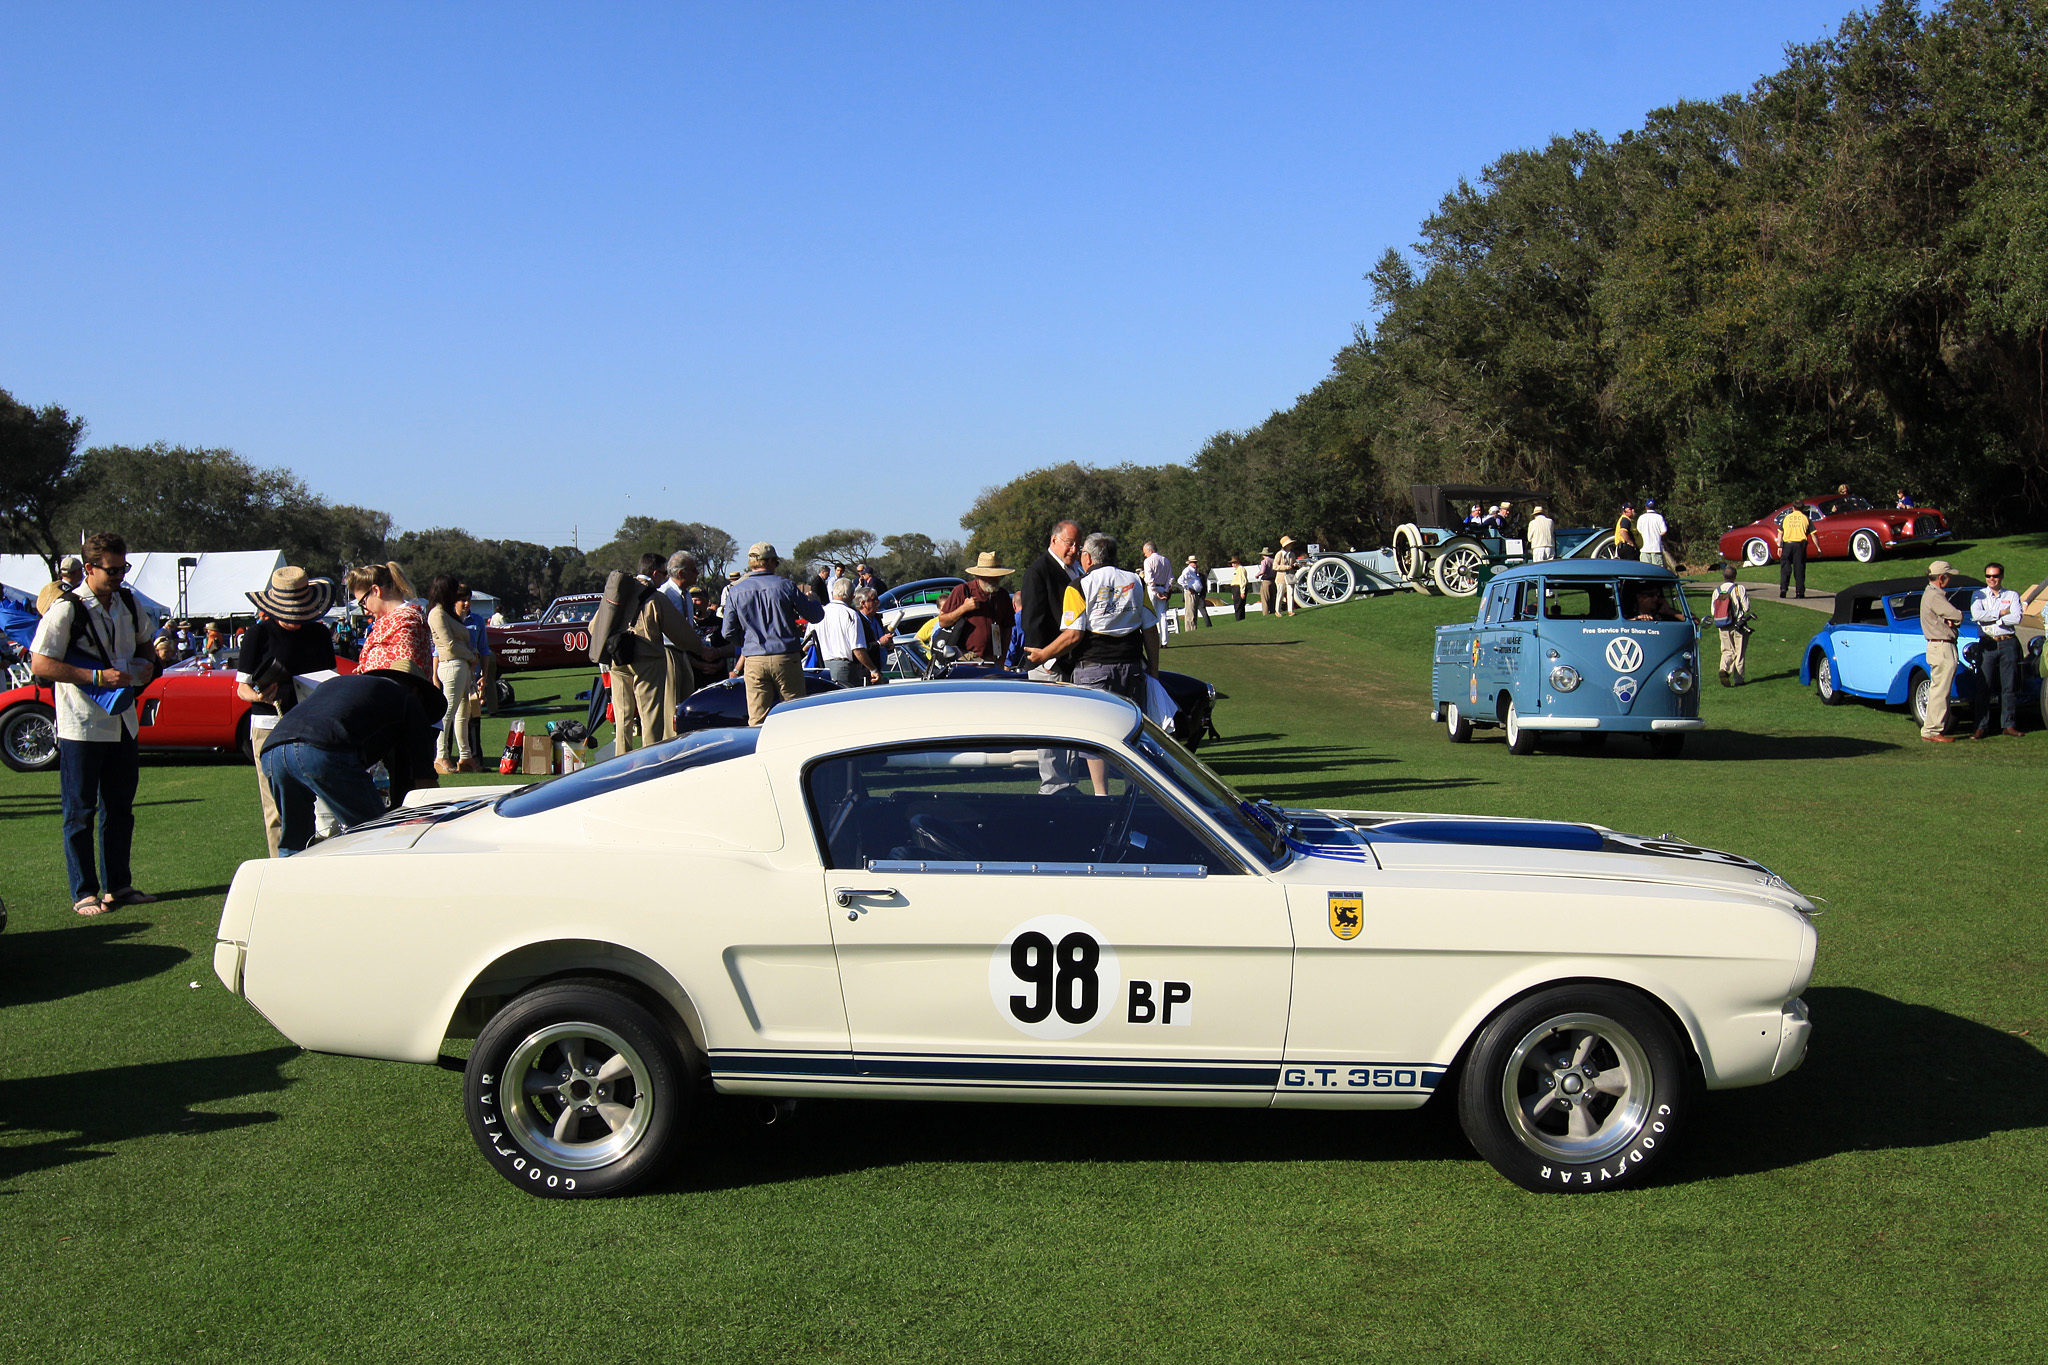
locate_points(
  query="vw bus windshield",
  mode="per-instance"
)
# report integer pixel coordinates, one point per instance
(1653, 599)
(1634, 599)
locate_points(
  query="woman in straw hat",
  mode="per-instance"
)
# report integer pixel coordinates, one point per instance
(287, 642)
(987, 609)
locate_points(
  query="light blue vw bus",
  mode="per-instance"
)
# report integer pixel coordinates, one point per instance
(1588, 645)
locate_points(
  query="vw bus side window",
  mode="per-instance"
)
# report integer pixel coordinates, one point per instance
(1497, 598)
(1577, 600)
(1526, 594)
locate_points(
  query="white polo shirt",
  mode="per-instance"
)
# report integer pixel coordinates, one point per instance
(113, 628)
(1650, 526)
(839, 634)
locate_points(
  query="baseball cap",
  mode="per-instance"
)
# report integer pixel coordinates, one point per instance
(1940, 567)
(761, 551)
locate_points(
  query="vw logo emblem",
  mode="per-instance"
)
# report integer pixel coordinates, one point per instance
(1624, 690)
(1624, 655)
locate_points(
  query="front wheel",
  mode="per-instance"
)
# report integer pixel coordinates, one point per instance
(1919, 695)
(1863, 546)
(1328, 581)
(1520, 741)
(1574, 1088)
(1756, 552)
(1825, 685)
(28, 738)
(576, 1090)
(1457, 570)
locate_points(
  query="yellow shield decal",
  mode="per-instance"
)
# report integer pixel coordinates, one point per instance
(1347, 913)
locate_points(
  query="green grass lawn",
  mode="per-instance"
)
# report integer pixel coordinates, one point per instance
(179, 1183)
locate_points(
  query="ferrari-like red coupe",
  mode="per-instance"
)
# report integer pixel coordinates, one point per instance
(1844, 527)
(189, 706)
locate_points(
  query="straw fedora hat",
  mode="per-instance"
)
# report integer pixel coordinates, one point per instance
(986, 566)
(1286, 541)
(292, 596)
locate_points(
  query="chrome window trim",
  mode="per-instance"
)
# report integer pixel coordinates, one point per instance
(903, 866)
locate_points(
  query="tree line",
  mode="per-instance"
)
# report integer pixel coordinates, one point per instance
(1838, 277)
(200, 500)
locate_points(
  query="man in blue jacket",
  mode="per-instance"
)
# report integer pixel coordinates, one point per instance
(762, 610)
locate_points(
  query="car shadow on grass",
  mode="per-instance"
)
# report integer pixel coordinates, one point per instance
(83, 1113)
(1711, 746)
(51, 964)
(1880, 1074)
(731, 1149)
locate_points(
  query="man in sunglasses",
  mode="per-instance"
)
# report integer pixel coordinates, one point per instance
(1996, 610)
(91, 647)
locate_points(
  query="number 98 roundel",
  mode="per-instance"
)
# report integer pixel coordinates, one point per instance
(1054, 977)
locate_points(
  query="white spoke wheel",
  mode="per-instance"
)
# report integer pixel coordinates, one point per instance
(577, 1089)
(28, 738)
(1457, 570)
(1460, 729)
(1824, 683)
(1756, 551)
(1328, 581)
(1919, 695)
(1575, 1088)
(1520, 741)
(1863, 546)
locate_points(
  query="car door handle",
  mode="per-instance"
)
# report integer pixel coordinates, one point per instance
(846, 895)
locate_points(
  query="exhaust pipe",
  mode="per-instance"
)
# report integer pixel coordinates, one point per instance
(771, 1112)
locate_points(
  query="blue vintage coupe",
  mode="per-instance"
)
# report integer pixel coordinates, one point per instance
(1872, 648)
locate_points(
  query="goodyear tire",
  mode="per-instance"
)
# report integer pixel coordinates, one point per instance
(1576, 1088)
(577, 1090)
(1457, 726)
(28, 738)
(1520, 741)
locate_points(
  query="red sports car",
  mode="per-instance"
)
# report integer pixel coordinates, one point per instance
(187, 707)
(1844, 527)
(559, 639)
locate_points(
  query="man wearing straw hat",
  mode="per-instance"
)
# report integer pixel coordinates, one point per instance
(989, 613)
(286, 644)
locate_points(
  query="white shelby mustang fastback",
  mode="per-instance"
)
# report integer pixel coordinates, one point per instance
(999, 891)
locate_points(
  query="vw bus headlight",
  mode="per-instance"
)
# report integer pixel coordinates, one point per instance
(1681, 680)
(1564, 677)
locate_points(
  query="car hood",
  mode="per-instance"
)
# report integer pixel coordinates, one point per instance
(1407, 841)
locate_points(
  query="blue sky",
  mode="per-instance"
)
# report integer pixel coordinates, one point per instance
(775, 267)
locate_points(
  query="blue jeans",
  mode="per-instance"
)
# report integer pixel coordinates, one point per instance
(98, 777)
(297, 773)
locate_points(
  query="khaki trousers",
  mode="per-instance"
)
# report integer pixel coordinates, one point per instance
(1734, 654)
(682, 681)
(772, 678)
(1941, 676)
(457, 679)
(1266, 596)
(273, 820)
(638, 690)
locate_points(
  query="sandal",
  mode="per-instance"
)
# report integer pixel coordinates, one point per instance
(91, 905)
(129, 897)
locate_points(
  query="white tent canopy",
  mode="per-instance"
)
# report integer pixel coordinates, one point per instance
(215, 588)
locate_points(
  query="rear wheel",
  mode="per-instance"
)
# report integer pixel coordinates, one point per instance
(1863, 546)
(1520, 741)
(1825, 685)
(1574, 1088)
(577, 1090)
(1919, 696)
(1756, 551)
(28, 738)
(1457, 570)
(1460, 728)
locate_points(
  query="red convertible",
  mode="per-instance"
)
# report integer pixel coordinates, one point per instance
(1844, 527)
(559, 639)
(188, 707)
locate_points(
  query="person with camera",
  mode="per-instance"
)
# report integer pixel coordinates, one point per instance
(1731, 613)
(90, 646)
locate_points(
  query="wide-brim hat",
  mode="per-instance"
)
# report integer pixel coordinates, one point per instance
(986, 566)
(405, 671)
(292, 596)
(1265, 549)
(1286, 541)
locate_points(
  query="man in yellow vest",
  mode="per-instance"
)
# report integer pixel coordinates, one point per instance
(1793, 533)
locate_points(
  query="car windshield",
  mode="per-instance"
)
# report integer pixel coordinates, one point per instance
(642, 765)
(570, 611)
(1654, 599)
(1831, 507)
(1261, 835)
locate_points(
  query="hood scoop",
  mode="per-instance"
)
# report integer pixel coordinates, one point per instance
(1546, 834)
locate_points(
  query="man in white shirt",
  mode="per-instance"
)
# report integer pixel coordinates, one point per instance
(1158, 576)
(1996, 610)
(842, 643)
(1651, 528)
(1111, 623)
(1194, 595)
(1542, 536)
(91, 647)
